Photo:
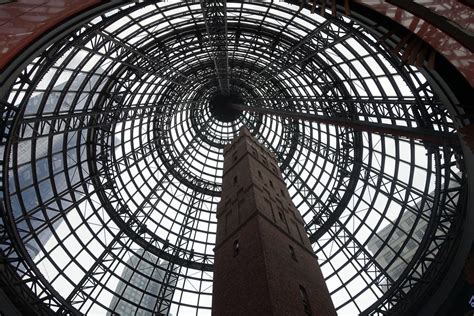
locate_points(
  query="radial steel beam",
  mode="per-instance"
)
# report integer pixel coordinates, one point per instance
(103, 45)
(329, 99)
(432, 136)
(140, 109)
(405, 109)
(33, 127)
(215, 19)
(320, 39)
(156, 65)
(287, 55)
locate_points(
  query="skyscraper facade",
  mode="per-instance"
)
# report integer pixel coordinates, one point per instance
(403, 239)
(34, 165)
(141, 271)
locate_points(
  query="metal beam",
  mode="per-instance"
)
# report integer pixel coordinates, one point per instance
(118, 53)
(283, 60)
(155, 64)
(432, 136)
(33, 127)
(215, 19)
(310, 46)
(98, 114)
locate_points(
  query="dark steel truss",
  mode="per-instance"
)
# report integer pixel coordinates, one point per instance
(215, 19)
(112, 158)
(347, 120)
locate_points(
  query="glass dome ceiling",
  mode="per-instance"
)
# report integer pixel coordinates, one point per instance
(115, 155)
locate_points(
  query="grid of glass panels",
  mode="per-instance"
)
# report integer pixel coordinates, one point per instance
(116, 168)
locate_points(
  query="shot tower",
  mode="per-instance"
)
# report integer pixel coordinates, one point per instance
(264, 263)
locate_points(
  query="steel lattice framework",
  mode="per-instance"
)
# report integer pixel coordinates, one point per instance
(111, 151)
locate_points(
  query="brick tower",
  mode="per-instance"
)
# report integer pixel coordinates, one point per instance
(264, 264)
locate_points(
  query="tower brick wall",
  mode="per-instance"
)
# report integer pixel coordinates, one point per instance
(264, 263)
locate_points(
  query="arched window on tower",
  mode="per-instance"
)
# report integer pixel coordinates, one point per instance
(305, 300)
(236, 247)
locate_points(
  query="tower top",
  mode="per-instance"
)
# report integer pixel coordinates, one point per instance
(244, 134)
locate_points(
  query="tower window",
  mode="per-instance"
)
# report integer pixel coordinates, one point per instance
(292, 253)
(235, 179)
(281, 216)
(271, 183)
(236, 247)
(305, 300)
(260, 174)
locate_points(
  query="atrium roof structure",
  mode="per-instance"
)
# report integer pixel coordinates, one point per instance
(112, 154)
